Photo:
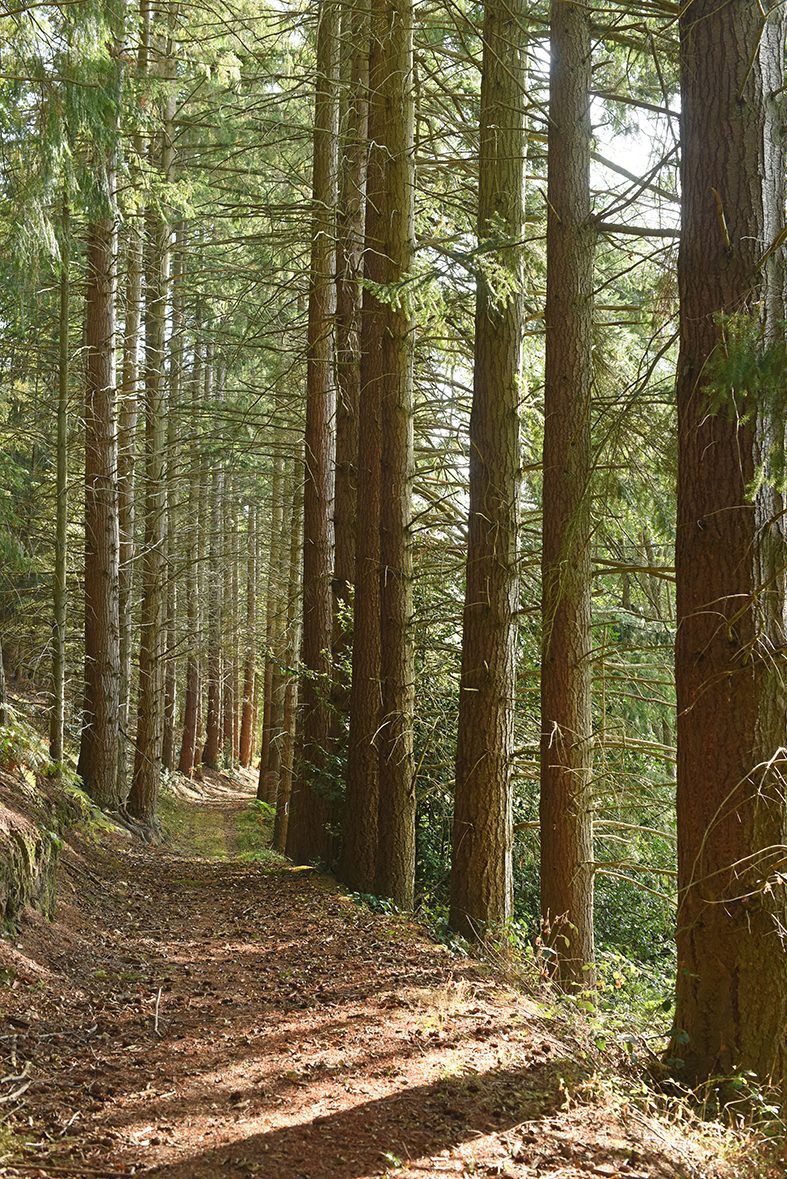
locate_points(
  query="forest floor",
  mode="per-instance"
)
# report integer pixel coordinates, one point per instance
(200, 1009)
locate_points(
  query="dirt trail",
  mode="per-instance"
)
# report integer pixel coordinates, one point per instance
(190, 1016)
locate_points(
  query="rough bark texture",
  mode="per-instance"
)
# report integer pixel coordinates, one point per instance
(310, 809)
(150, 698)
(392, 122)
(229, 628)
(98, 751)
(127, 461)
(191, 702)
(147, 752)
(250, 661)
(350, 243)
(290, 525)
(210, 752)
(358, 861)
(291, 688)
(732, 966)
(266, 787)
(566, 723)
(59, 581)
(481, 873)
(174, 493)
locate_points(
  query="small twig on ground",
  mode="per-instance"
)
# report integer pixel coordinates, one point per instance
(156, 1013)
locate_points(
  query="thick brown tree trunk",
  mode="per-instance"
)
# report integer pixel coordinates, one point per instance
(358, 859)
(481, 873)
(98, 752)
(566, 723)
(308, 838)
(350, 243)
(391, 125)
(731, 1011)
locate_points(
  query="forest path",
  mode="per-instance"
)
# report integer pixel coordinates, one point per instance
(192, 1015)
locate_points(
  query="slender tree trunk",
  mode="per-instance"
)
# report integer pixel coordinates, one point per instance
(60, 585)
(228, 629)
(566, 722)
(3, 697)
(149, 737)
(191, 702)
(308, 838)
(210, 752)
(250, 661)
(731, 1013)
(173, 493)
(127, 457)
(391, 124)
(290, 524)
(481, 871)
(284, 792)
(98, 752)
(274, 548)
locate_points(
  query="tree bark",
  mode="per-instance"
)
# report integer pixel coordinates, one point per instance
(127, 459)
(250, 663)
(284, 792)
(566, 722)
(391, 125)
(265, 788)
(210, 753)
(731, 1012)
(481, 871)
(191, 701)
(350, 243)
(308, 838)
(173, 496)
(150, 702)
(60, 585)
(98, 752)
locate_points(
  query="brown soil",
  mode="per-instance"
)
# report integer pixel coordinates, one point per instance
(189, 1016)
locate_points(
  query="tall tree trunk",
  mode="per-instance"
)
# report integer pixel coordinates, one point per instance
(731, 1010)
(228, 628)
(481, 871)
(274, 548)
(353, 123)
(308, 838)
(191, 702)
(280, 640)
(250, 661)
(284, 791)
(391, 125)
(3, 697)
(210, 752)
(358, 857)
(173, 494)
(60, 586)
(98, 752)
(127, 458)
(566, 722)
(148, 750)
